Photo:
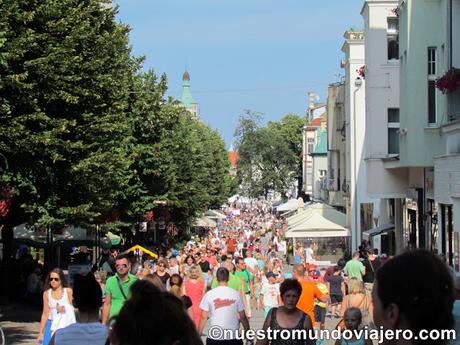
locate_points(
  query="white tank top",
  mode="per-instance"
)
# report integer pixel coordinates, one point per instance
(174, 270)
(60, 320)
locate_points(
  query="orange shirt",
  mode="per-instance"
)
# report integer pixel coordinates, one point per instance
(306, 301)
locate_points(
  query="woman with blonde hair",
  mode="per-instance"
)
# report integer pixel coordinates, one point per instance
(358, 298)
(195, 289)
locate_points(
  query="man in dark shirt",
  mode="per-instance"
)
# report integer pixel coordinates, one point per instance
(372, 264)
(205, 268)
(331, 269)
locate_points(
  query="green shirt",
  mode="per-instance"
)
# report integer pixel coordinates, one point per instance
(113, 289)
(246, 277)
(354, 268)
(233, 282)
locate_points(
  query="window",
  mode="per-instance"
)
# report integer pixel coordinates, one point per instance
(393, 131)
(431, 61)
(310, 148)
(392, 38)
(431, 85)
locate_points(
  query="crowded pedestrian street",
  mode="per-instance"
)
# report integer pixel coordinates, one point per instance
(235, 276)
(232, 172)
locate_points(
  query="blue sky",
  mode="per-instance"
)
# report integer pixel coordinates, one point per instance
(262, 55)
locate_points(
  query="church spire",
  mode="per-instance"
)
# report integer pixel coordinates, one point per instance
(187, 99)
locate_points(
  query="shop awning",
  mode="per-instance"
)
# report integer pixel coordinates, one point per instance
(114, 239)
(317, 234)
(288, 213)
(205, 222)
(214, 214)
(326, 211)
(317, 226)
(378, 230)
(29, 234)
(288, 206)
(144, 250)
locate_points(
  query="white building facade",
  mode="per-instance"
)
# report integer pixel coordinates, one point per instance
(447, 165)
(336, 146)
(360, 208)
(381, 73)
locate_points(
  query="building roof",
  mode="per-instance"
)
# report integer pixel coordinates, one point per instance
(321, 145)
(312, 126)
(233, 158)
(316, 122)
(186, 76)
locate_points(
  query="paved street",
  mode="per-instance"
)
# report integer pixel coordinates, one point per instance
(257, 321)
(20, 324)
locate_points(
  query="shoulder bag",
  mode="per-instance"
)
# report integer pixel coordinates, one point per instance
(121, 288)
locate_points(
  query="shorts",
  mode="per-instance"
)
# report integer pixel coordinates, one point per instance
(368, 287)
(47, 332)
(247, 308)
(336, 299)
(320, 314)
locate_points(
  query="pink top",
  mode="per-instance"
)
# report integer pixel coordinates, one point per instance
(194, 291)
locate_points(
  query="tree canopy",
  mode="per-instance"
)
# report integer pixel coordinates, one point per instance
(269, 156)
(89, 138)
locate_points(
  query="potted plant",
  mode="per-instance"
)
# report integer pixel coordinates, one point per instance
(450, 81)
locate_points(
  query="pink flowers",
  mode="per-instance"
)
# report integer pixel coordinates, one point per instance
(149, 215)
(5, 202)
(450, 81)
(362, 71)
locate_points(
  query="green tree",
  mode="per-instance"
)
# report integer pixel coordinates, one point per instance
(291, 129)
(178, 160)
(267, 163)
(65, 66)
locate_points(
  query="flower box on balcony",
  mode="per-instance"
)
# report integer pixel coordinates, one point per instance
(362, 71)
(450, 81)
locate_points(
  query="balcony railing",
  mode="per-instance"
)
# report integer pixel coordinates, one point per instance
(453, 105)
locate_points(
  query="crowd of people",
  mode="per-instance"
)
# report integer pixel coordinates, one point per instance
(223, 277)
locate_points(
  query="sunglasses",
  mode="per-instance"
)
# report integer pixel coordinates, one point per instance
(121, 266)
(161, 265)
(54, 279)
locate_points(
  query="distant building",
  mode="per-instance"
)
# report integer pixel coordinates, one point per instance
(314, 109)
(233, 159)
(187, 100)
(319, 166)
(310, 139)
(337, 154)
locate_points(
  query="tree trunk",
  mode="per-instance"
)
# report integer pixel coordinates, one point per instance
(7, 261)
